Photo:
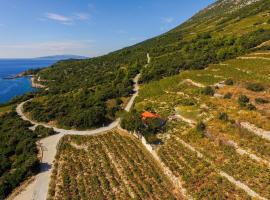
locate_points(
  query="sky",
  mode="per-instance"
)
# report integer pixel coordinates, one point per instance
(33, 28)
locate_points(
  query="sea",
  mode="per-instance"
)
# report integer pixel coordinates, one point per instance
(9, 88)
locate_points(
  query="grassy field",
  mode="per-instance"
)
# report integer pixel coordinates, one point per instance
(176, 96)
(110, 166)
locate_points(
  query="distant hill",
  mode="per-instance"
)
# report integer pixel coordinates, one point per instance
(61, 57)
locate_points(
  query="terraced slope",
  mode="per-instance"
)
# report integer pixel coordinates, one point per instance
(97, 85)
(110, 166)
(228, 157)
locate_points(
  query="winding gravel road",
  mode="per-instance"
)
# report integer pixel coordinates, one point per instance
(38, 189)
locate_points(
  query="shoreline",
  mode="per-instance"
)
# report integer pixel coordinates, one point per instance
(21, 75)
(35, 84)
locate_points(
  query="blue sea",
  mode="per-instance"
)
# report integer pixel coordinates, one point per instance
(14, 87)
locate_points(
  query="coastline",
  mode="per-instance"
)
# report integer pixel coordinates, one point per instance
(20, 75)
(36, 84)
(16, 74)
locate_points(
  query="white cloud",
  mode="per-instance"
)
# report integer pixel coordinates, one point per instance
(1, 25)
(59, 18)
(67, 20)
(167, 20)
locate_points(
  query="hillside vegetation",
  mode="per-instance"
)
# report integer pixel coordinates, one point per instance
(84, 94)
(210, 111)
(209, 82)
(18, 150)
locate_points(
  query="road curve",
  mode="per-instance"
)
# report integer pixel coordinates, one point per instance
(38, 189)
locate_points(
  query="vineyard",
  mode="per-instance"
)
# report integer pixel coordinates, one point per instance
(201, 178)
(109, 166)
(221, 98)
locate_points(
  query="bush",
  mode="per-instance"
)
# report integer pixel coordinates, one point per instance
(187, 102)
(243, 100)
(255, 87)
(201, 127)
(209, 91)
(18, 152)
(261, 101)
(118, 101)
(132, 121)
(42, 131)
(229, 82)
(251, 107)
(223, 116)
(228, 95)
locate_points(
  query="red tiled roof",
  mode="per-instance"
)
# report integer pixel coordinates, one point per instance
(146, 115)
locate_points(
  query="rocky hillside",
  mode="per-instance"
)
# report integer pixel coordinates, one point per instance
(229, 5)
(223, 7)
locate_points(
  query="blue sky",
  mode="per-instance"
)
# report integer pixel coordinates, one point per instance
(31, 28)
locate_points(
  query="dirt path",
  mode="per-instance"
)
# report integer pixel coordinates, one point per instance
(266, 43)
(148, 58)
(193, 83)
(248, 58)
(261, 53)
(36, 84)
(39, 188)
(136, 92)
(191, 122)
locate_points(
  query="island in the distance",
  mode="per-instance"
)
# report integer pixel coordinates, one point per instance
(56, 58)
(61, 57)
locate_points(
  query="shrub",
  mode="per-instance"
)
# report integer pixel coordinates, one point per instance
(261, 101)
(187, 102)
(209, 91)
(255, 87)
(229, 82)
(131, 121)
(257, 23)
(18, 152)
(228, 95)
(251, 107)
(223, 116)
(201, 127)
(243, 100)
(42, 131)
(118, 101)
